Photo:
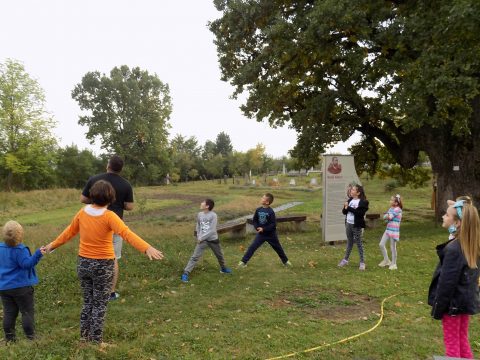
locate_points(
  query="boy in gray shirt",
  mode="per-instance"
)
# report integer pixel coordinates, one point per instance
(207, 236)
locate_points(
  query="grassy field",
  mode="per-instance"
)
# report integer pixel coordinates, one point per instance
(260, 312)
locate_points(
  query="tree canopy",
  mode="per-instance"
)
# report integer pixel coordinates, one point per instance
(402, 72)
(27, 146)
(129, 112)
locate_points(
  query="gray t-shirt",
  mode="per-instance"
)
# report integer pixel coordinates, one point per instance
(207, 226)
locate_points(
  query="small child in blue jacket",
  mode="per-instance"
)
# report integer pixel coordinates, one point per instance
(17, 277)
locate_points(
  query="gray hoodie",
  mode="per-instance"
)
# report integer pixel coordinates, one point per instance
(207, 226)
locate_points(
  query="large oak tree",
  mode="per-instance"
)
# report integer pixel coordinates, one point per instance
(129, 112)
(405, 73)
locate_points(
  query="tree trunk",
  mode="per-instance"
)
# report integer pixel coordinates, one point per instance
(456, 162)
(9, 181)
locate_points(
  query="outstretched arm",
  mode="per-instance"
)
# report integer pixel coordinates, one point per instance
(154, 254)
(66, 235)
(27, 261)
(119, 227)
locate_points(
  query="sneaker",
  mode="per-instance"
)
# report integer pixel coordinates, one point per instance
(184, 277)
(393, 267)
(114, 296)
(225, 270)
(241, 264)
(342, 263)
(362, 266)
(287, 264)
(384, 263)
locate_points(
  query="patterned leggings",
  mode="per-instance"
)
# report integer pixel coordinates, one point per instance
(455, 336)
(354, 235)
(96, 277)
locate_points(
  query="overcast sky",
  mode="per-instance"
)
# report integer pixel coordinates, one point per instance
(60, 41)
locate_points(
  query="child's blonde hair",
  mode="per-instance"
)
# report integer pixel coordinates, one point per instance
(469, 234)
(12, 233)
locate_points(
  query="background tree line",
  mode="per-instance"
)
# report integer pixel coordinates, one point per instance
(128, 112)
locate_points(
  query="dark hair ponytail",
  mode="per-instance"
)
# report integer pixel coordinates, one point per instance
(361, 192)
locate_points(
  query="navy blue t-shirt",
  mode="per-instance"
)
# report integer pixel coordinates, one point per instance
(264, 217)
(123, 191)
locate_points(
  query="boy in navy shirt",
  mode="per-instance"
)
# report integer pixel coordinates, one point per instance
(266, 227)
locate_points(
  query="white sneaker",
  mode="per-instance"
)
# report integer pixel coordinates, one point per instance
(384, 263)
(393, 267)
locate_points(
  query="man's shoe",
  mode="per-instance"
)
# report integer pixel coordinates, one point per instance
(184, 277)
(393, 267)
(287, 264)
(114, 296)
(241, 264)
(361, 267)
(225, 270)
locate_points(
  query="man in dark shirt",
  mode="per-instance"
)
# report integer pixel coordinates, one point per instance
(123, 201)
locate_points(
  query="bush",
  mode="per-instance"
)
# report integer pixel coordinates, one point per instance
(391, 185)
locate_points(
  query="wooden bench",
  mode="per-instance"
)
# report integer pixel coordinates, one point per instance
(299, 221)
(236, 229)
(372, 220)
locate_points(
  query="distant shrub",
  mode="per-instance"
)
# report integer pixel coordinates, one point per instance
(391, 185)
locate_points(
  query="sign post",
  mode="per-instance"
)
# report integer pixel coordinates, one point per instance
(338, 175)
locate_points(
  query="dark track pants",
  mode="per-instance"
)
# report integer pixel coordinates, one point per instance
(258, 241)
(15, 300)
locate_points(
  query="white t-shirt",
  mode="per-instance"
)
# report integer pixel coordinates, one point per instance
(350, 216)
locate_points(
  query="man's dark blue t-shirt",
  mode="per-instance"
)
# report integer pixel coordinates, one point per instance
(123, 191)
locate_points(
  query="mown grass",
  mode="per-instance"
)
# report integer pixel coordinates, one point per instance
(259, 312)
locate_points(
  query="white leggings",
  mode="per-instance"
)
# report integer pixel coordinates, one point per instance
(393, 248)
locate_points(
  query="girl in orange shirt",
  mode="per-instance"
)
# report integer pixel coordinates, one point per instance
(96, 257)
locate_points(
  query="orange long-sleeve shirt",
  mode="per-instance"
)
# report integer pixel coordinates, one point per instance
(96, 226)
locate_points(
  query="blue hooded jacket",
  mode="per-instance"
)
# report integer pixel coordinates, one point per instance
(17, 266)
